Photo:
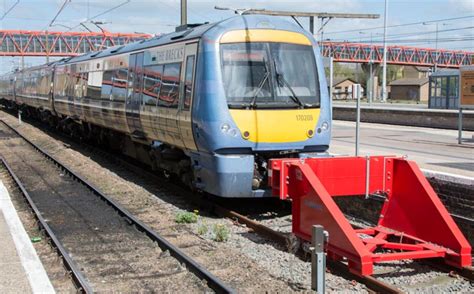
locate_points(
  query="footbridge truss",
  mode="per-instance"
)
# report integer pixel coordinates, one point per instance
(58, 44)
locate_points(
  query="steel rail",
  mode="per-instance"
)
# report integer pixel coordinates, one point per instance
(79, 280)
(212, 281)
(466, 272)
(264, 231)
(280, 238)
(371, 282)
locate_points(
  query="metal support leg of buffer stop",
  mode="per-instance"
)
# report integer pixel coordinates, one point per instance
(318, 259)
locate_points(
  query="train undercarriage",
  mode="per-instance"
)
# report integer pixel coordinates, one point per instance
(162, 158)
(168, 160)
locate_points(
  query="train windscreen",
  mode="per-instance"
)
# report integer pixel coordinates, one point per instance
(270, 75)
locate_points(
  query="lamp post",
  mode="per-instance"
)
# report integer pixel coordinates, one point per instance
(436, 42)
(384, 75)
(370, 87)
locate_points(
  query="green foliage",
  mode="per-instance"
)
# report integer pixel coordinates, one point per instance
(221, 233)
(186, 217)
(202, 229)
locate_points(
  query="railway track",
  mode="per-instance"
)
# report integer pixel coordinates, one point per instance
(82, 285)
(103, 245)
(281, 238)
(374, 284)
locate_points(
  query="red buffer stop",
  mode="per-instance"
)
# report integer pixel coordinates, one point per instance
(413, 222)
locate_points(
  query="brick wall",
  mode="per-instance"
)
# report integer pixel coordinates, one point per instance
(459, 200)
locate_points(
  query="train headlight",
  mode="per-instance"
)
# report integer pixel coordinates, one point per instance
(325, 126)
(225, 128)
(232, 132)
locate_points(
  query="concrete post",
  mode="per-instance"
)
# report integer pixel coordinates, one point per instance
(331, 76)
(460, 126)
(184, 12)
(370, 87)
(318, 260)
(384, 73)
(356, 95)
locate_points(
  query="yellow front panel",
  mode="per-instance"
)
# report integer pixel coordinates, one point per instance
(276, 126)
(242, 36)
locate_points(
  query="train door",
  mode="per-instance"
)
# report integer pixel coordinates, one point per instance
(134, 95)
(184, 114)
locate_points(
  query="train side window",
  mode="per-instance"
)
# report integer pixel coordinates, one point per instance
(70, 84)
(42, 85)
(64, 84)
(84, 77)
(188, 82)
(107, 84)
(77, 85)
(152, 84)
(119, 91)
(94, 84)
(169, 94)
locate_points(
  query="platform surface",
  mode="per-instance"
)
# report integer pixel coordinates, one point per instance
(395, 106)
(21, 270)
(432, 149)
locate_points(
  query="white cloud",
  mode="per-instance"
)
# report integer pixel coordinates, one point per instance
(466, 6)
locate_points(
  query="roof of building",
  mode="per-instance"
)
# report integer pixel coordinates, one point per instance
(409, 82)
(445, 72)
(338, 80)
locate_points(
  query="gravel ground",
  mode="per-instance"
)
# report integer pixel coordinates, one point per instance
(52, 262)
(415, 277)
(409, 276)
(268, 268)
(113, 256)
(246, 262)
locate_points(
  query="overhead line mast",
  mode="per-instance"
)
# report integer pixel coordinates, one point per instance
(324, 16)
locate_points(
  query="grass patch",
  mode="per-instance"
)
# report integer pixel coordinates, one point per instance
(186, 217)
(202, 229)
(221, 233)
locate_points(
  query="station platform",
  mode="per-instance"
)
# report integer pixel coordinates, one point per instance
(395, 105)
(21, 270)
(432, 149)
(417, 115)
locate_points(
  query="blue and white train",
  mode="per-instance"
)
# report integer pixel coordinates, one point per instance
(209, 104)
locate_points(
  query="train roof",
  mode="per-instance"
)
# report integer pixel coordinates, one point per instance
(188, 34)
(174, 37)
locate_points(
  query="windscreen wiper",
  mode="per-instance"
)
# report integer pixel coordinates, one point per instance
(281, 80)
(253, 103)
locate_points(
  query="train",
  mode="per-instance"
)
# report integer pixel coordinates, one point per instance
(207, 104)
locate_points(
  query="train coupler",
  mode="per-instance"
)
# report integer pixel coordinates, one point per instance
(413, 223)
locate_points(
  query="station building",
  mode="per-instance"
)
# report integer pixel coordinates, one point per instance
(410, 89)
(444, 89)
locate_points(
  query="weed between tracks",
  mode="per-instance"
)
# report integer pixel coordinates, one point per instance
(202, 229)
(186, 217)
(220, 232)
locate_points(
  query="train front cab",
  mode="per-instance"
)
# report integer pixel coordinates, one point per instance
(261, 94)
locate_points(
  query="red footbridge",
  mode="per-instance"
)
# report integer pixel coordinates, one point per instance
(399, 55)
(58, 44)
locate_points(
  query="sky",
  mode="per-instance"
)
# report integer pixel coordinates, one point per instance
(455, 18)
